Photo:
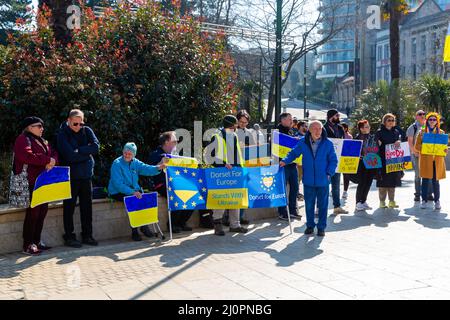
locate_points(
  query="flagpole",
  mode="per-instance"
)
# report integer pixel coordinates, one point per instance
(168, 206)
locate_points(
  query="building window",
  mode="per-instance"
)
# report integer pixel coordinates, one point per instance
(413, 47)
(424, 45)
(386, 51)
(379, 56)
(404, 48)
(414, 69)
(424, 68)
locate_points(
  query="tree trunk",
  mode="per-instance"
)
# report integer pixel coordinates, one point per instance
(59, 17)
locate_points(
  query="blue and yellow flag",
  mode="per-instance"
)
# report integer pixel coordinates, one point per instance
(447, 46)
(256, 156)
(142, 211)
(186, 188)
(50, 186)
(435, 144)
(349, 157)
(282, 144)
(179, 161)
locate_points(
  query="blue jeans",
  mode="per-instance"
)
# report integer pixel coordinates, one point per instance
(291, 177)
(336, 189)
(436, 187)
(321, 195)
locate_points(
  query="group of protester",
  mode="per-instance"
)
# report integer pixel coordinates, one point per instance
(76, 146)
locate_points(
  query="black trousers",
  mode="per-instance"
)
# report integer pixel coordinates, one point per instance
(80, 189)
(365, 178)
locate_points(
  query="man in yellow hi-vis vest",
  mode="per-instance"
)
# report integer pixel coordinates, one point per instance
(227, 153)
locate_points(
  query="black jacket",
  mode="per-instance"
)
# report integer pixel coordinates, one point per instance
(339, 134)
(285, 130)
(385, 136)
(155, 157)
(76, 150)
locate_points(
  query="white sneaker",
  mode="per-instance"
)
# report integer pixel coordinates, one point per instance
(423, 205)
(437, 205)
(344, 195)
(366, 206)
(360, 207)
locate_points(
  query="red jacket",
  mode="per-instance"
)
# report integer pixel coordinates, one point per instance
(36, 156)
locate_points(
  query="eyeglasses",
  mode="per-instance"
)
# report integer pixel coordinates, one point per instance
(432, 119)
(390, 120)
(81, 124)
(40, 126)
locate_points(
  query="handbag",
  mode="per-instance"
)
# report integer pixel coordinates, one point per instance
(19, 188)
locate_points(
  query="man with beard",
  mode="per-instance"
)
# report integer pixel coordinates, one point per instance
(336, 131)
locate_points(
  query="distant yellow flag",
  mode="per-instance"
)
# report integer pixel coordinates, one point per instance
(447, 46)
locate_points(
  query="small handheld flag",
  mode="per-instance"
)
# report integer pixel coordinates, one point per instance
(50, 186)
(179, 161)
(282, 144)
(142, 211)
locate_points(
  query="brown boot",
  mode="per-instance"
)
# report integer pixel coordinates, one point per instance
(218, 228)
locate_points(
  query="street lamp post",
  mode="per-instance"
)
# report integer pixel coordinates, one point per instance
(278, 60)
(304, 86)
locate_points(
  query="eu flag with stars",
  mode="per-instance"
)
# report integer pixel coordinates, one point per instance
(186, 188)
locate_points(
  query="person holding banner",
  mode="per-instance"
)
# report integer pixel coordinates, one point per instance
(432, 167)
(34, 155)
(370, 162)
(387, 182)
(336, 131)
(167, 146)
(347, 135)
(226, 152)
(124, 180)
(290, 173)
(319, 163)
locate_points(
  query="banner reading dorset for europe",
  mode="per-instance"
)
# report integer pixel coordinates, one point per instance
(222, 188)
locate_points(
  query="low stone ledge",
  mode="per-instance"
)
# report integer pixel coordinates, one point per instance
(109, 220)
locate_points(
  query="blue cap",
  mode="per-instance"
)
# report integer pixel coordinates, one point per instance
(130, 146)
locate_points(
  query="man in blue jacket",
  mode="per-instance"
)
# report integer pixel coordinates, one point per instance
(77, 144)
(124, 181)
(319, 165)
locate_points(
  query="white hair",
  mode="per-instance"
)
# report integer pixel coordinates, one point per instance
(315, 122)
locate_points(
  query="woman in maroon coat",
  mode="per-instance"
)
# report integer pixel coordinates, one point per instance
(32, 150)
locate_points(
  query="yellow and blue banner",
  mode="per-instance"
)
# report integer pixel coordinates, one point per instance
(282, 144)
(446, 54)
(256, 156)
(348, 153)
(179, 161)
(50, 186)
(142, 211)
(398, 158)
(435, 144)
(186, 188)
(222, 188)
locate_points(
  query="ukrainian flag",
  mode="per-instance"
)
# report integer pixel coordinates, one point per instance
(256, 156)
(50, 186)
(434, 144)
(349, 158)
(282, 144)
(143, 211)
(179, 161)
(447, 46)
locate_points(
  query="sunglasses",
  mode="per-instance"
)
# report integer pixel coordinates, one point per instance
(432, 119)
(390, 120)
(40, 126)
(81, 124)
(421, 114)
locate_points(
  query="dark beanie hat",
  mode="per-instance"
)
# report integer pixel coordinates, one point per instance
(229, 121)
(29, 121)
(331, 113)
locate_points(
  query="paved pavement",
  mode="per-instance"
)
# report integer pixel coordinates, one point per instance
(381, 254)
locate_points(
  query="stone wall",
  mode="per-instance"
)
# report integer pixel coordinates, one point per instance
(109, 221)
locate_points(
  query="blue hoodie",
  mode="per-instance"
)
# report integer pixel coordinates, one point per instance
(316, 170)
(125, 176)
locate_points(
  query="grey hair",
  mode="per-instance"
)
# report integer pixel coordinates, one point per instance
(315, 121)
